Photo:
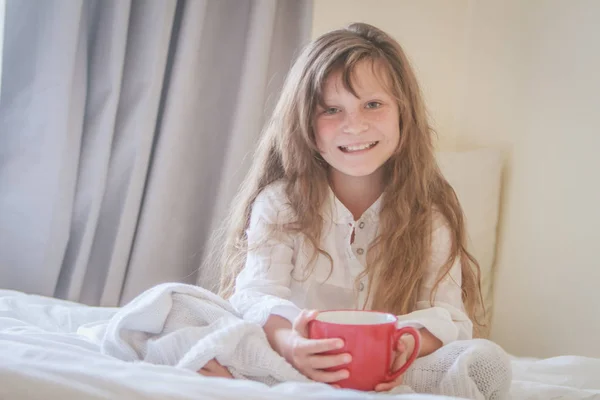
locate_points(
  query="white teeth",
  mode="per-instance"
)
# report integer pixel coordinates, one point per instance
(358, 147)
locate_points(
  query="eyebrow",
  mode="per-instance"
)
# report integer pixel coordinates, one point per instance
(376, 94)
(369, 95)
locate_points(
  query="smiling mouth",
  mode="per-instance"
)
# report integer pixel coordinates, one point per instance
(357, 147)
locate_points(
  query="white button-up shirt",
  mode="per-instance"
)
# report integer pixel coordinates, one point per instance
(275, 280)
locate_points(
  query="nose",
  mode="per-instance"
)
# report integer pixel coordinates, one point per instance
(355, 124)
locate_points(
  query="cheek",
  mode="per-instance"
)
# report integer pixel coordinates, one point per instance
(325, 133)
(392, 128)
(394, 135)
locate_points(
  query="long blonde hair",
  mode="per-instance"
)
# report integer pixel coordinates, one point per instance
(415, 188)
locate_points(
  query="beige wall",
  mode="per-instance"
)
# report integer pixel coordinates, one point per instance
(429, 32)
(522, 76)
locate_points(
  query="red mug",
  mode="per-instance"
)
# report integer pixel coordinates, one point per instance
(371, 338)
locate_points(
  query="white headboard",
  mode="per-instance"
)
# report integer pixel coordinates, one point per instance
(476, 177)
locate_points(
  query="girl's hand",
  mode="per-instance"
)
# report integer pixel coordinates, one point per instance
(305, 354)
(406, 344)
(214, 369)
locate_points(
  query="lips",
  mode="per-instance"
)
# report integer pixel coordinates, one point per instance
(352, 148)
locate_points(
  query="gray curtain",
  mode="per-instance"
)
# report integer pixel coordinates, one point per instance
(124, 131)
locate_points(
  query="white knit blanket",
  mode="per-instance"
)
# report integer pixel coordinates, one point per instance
(187, 326)
(471, 369)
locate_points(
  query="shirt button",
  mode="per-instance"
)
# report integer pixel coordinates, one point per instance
(361, 225)
(361, 287)
(360, 251)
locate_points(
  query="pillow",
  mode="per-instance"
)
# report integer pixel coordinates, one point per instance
(476, 178)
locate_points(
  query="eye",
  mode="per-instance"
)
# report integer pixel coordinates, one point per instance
(373, 104)
(331, 111)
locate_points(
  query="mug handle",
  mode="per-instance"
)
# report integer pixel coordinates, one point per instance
(395, 337)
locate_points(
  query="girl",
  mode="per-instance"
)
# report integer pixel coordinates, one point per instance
(345, 207)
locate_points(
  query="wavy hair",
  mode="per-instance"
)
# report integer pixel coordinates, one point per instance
(414, 186)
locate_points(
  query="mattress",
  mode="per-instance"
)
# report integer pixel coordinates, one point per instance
(42, 357)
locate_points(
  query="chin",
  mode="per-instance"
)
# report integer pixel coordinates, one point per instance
(360, 173)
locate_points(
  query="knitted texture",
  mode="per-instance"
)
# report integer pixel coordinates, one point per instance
(472, 369)
(187, 326)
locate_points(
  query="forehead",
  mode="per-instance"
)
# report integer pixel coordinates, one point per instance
(361, 79)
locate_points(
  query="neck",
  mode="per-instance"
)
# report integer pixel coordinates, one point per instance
(357, 193)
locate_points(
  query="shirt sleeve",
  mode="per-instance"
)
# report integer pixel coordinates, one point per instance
(263, 286)
(446, 319)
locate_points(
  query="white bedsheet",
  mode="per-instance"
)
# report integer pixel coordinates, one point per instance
(41, 357)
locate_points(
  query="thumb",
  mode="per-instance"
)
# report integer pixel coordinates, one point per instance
(302, 320)
(401, 346)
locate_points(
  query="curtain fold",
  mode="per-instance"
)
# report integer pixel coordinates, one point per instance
(122, 127)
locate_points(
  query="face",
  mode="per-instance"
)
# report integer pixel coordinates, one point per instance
(357, 135)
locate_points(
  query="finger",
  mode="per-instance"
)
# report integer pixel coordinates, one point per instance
(401, 346)
(328, 377)
(214, 366)
(206, 372)
(398, 363)
(323, 362)
(216, 369)
(400, 349)
(222, 371)
(207, 367)
(214, 374)
(384, 387)
(211, 365)
(301, 322)
(227, 374)
(316, 346)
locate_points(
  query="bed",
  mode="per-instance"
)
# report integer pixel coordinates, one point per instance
(42, 357)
